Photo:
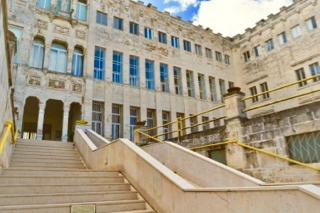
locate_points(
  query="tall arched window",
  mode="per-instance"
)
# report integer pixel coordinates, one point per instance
(58, 58)
(44, 4)
(37, 53)
(77, 62)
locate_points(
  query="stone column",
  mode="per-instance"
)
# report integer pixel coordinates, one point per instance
(66, 110)
(42, 107)
(234, 113)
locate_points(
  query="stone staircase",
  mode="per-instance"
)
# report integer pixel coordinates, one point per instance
(47, 176)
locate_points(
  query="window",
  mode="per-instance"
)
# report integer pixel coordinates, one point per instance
(296, 31)
(227, 59)
(218, 56)
(97, 117)
(187, 45)
(134, 71)
(37, 53)
(205, 122)
(148, 33)
(282, 38)
(81, 10)
(58, 58)
(198, 49)
(264, 88)
(231, 84)
(181, 115)
(164, 77)
(134, 28)
(116, 121)
(175, 42)
(190, 85)
(177, 80)
(149, 74)
(300, 76)
(269, 45)
(246, 56)
(253, 91)
(63, 6)
(165, 120)
(117, 67)
(151, 121)
(304, 147)
(202, 89)
(162, 37)
(134, 115)
(117, 23)
(99, 63)
(44, 4)
(311, 23)
(193, 122)
(77, 62)
(208, 53)
(101, 18)
(257, 51)
(18, 33)
(222, 85)
(315, 70)
(213, 91)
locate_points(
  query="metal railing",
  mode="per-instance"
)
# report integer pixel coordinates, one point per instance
(9, 127)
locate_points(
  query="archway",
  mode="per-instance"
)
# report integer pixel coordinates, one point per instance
(53, 118)
(30, 118)
(74, 114)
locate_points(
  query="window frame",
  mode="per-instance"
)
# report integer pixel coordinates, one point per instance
(311, 23)
(148, 33)
(100, 17)
(300, 74)
(186, 45)
(282, 38)
(198, 49)
(175, 42)
(99, 72)
(134, 68)
(117, 23)
(133, 28)
(162, 37)
(150, 74)
(269, 45)
(117, 67)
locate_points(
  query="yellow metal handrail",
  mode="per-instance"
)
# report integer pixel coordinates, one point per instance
(203, 112)
(148, 136)
(9, 128)
(211, 145)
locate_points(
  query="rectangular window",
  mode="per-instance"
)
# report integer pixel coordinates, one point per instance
(134, 71)
(149, 74)
(151, 121)
(134, 28)
(193, 121)
(101, 18)
(37, 54)
(296, 31)
(269, 45)
(222, 85)
(97, 116)
(116, 121)
(227, 59)
(246, 56)
(134, 117)
(198, 49)
(187, 45)
(264, 88)
(218, 56)
(282, 38)
(175, 42)
(81, 10)
(300, 76)
(177, 80)
(148, 33)
(311, 23)
(18, 33)
(162, 37)
(208, 53)
(202, 89)
(165, 120)
(213, 90)
(117, 23)
(257, 51)
(190, 85)
(99, 63)
(315, 70)
(205, 122)
(164, 79)
(253, 91)
(231, 84)
(117, 67)
(44, 4)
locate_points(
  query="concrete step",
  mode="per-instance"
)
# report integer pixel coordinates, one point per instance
(44, 149)
(137, 211)
(47, 165)
(62, 188)
(33, 199)
(45, 153)
(48, 160)
(44, 156)
(104, 206)
(49, 180)
(43, 143)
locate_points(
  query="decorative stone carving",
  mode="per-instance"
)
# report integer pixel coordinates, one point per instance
(42, 24)
(77, 87)
(61, 30)
(80, 34)
(34, 81)
(56, 84)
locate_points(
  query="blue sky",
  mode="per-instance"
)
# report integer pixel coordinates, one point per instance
(228, 17)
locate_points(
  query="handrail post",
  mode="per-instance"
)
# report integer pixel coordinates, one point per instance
(179, 125)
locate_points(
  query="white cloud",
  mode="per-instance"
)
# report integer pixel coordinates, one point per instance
(231, 17)
(183, 5)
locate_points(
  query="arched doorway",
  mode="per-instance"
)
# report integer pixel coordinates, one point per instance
(74, 114)
(30, 118)
(53, 118)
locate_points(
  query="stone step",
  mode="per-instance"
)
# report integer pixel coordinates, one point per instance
(46, 165)
(62, 188)
(44, 149)
(137, 211)
(33, 199)
(105, 206)
(72, 153)
(58, 172)
(46, 160)
(43, 143)
(49, 180)
(44, 156)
